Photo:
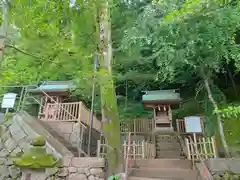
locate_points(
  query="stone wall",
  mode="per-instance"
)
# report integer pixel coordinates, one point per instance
(15, 139)
(72, 169)
(76, 168)
(223, 164)
(70, 131)
(224, 168)
(16, 135)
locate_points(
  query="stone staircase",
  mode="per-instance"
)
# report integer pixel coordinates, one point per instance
(170, 164)
(163, 169)
(168, 146)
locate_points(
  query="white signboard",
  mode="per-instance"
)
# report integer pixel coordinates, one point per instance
(193, 124)
(9, 100)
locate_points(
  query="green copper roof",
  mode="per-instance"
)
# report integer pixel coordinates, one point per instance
(54, 86)
(161, 95)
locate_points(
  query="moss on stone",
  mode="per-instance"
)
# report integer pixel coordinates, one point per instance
(8, 116)
(36, 157)
(33, 161)
(16, 155)
(38, 141)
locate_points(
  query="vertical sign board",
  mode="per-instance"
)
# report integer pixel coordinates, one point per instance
(8, 100)
(193, 124)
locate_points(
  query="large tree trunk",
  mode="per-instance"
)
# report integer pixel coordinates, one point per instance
(107, 89)
(3, 28)
(219, 120)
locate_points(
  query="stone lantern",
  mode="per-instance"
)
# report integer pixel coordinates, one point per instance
(36, 162)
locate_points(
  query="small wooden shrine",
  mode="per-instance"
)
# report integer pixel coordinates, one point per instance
(161, 102)
(52, 94)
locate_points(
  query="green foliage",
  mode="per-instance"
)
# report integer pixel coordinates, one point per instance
(115, 177)
(230, 111)
(191, 44)
(227, 175)
(49, 43)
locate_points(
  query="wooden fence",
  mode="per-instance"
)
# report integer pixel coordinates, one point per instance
(205, 146)
(62, 111)
(137, 126)
(73, 111)
(137, 150)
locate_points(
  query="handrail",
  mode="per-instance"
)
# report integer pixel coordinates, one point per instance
(182, 144)
(127, 158)
(208, 175)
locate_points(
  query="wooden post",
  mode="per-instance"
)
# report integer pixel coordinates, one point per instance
(143, 149)
(188, 148)
(125, 149)
(214, 146)
(134, 127)
(98, 148)
(205, 147)
(134, 150)
(177, 124)
(195, 144)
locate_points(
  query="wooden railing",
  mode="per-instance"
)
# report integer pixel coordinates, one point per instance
(205, 146)
(128, 162)
(75, 111)
(63, 111)
(180, 126)
(137, 126)
(180, 123)
(201, 166)
(138, 149)
(183, 145)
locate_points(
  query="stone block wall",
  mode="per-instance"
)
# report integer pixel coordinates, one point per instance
(224, 164)
(15, 139)
(72, 169)
(70, 131)
(87, 168)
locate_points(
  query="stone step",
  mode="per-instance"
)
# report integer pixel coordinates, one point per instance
(166, 137)
(164, 130)
(167, 145)
(164, 163)
(169, 154)
(165, 173)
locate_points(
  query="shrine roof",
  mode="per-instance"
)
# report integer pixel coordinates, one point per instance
(54, 86)
(161, 96)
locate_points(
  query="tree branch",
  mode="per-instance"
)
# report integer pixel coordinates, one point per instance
(22, 51)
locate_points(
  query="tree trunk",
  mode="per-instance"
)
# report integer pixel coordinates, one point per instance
(232, 81)
(219, 120)
(3, 28)
(111, 122)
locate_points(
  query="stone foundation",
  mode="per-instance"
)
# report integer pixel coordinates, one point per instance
(76, 168)
(73, 169)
